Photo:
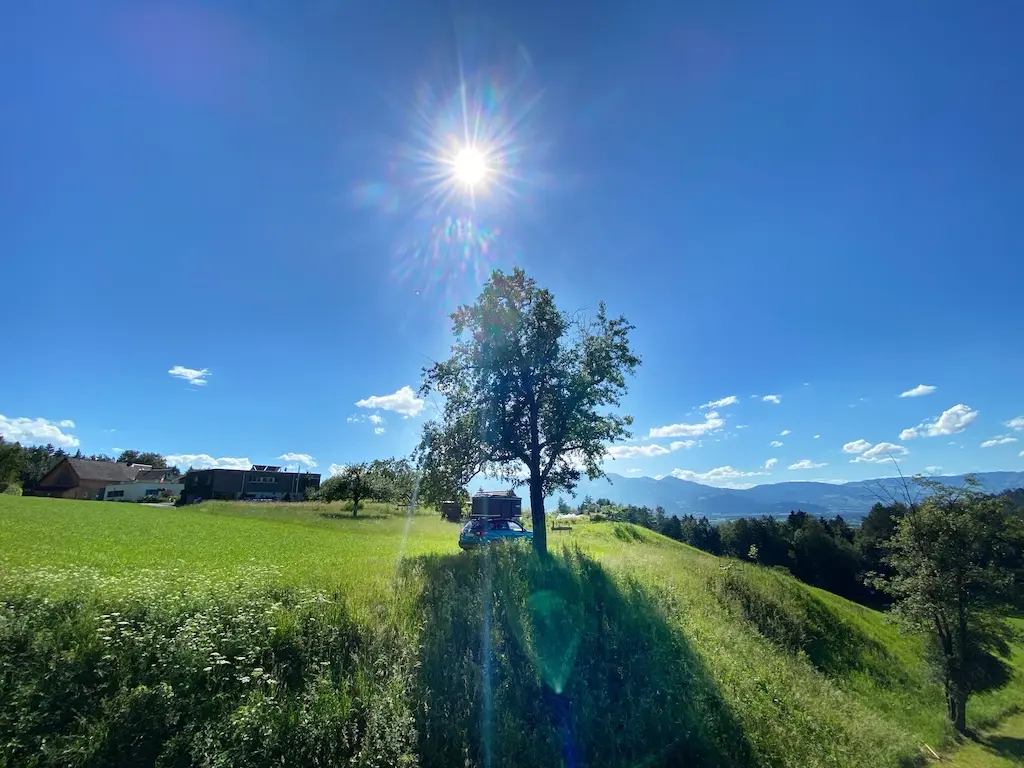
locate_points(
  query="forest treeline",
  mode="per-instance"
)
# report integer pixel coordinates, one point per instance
(824, 552)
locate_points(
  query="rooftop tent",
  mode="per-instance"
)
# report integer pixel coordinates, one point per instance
(497, 504)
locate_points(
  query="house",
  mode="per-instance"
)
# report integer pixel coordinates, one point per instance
(148, 482)
(85, 478)
(259, 482)
(504, 504)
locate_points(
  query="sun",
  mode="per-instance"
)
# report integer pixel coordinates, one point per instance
(469, 166)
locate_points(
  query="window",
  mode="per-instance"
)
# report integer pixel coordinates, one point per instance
(513, 526)
(152, 492)
(499, 525)
(115, 494)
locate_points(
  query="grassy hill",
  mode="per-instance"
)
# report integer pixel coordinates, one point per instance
(262, 634)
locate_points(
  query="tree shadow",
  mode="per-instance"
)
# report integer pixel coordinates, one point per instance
(1006, 746)
(525, 661)
(787, 614)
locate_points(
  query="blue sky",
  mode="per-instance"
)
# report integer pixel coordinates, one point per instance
(230, 232)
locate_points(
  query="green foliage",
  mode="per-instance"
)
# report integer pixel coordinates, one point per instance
(527, 388)
(354, 483)
(953, 560)
(154, 460)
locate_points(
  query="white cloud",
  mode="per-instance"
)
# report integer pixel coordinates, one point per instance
(772, 399)
(784, 432)
(742, 426)
(770, 463)
(195, 376)
(775, 443)
(299, 458)
(404, 401)
(1017, 423)
(933, 470)
(952, 421)
(881, 452)
(376, 418)
(999, 440)
(730, 400)
(919, 390)
(712, 423)
(336, 469)
(379, 430)
(37, 431)
(206, 461)
(718, 475)
(857, 446)
(353, 419)
(807, 464)
(816, 437)
(646, 451)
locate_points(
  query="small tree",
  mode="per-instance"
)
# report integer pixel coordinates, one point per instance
(952, 579)
(527, 392)
(354, 484)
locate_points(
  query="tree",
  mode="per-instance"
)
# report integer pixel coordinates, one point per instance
(354, 484)
(11, 461)
(154, 460)
(952, 579)
(393, 480)
(527, 392)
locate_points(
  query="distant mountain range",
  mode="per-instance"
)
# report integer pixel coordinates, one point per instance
(852, 500)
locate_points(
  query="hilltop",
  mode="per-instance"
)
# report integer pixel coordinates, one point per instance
(852, 500)
(249, 634)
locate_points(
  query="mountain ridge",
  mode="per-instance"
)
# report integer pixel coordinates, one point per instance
(851, 499)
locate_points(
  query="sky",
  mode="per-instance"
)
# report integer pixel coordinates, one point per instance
(233, 232)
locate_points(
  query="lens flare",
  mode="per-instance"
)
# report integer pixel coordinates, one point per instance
(461, 176)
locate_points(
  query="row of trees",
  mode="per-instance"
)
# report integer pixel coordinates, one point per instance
(22, 467)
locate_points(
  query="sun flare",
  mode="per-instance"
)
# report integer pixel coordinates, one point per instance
(469, 166)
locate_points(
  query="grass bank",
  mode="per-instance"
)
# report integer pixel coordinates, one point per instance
(232, 634)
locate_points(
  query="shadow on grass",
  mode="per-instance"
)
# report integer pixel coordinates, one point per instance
(795, 619)
(1006, 746)
(530, 662)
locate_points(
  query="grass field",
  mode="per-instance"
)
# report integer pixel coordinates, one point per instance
(231, 634)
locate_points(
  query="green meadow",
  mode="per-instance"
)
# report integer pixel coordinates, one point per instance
(262, 634)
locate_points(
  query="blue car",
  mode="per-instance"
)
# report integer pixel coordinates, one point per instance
(479, 532)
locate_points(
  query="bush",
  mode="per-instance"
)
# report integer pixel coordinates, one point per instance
(10, 489)
(218, 675)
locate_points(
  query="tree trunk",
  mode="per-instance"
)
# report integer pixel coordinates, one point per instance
(956, 708)
(355, 506)
(540, 531)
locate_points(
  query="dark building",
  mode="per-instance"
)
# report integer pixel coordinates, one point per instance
(260, 482)
(503, 504)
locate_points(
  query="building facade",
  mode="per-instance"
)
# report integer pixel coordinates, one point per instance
(85, 478)
(141, 489)
(259, 482)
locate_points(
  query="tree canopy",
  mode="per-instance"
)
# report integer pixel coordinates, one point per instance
(528, 393)
(954, 560)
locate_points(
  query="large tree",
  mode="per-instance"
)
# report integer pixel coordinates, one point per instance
(528, 391)
(952, 560)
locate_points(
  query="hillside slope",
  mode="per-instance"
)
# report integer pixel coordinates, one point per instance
(253, 635)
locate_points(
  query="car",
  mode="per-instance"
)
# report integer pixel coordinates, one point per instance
(481, 531)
